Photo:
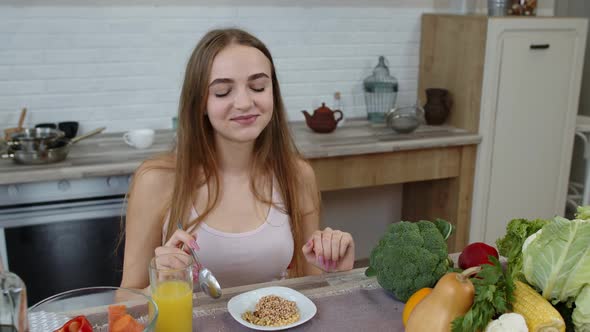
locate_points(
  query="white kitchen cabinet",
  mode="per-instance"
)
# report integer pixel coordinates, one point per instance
(531, 87)
(521, 96)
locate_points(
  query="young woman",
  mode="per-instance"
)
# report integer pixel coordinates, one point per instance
(235, 179)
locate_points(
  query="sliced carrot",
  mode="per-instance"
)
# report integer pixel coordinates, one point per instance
(126, 324)
(116, 312)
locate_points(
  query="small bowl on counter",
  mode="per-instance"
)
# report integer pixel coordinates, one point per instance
(405, 120)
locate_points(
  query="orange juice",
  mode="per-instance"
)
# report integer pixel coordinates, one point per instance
(175, 305)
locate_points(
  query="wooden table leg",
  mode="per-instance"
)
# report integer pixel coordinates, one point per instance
(449, 199)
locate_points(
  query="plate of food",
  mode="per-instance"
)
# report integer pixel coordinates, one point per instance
(271, 308)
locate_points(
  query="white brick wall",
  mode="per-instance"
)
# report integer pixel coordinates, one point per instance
(122, 65)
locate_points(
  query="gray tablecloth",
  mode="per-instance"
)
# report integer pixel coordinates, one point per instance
(358, 310)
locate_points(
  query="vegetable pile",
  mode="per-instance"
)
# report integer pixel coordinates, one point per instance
(556, 260)
(543, 286)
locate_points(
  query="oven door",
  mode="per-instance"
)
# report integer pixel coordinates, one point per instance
(66, 245)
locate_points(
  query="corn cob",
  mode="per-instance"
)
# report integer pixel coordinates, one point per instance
(539, 314)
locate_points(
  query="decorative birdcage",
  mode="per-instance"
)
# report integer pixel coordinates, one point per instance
(380, 92)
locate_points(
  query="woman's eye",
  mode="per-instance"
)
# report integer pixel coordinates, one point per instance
(258, 89)
(222, 94)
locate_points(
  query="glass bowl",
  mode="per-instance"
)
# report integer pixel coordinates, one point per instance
(93, 302)
(405, 120)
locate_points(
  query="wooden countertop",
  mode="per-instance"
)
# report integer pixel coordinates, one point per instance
(360, 137)
(107, 154)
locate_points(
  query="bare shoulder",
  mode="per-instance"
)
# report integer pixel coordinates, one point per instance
(309, 193)
(154, 175)
(306, 172)
(149, 194)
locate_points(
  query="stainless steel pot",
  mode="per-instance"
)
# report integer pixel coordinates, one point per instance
(58, 152)
(35, 139)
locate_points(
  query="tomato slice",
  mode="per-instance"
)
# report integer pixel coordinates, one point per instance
(76, 324)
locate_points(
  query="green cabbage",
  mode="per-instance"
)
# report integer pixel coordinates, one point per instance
(581, 314)
(556, 259)
(510, 246)
(583, 212)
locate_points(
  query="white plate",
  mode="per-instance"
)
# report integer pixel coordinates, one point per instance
(239, 304)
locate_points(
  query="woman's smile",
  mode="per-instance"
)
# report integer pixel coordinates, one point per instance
(245, 120)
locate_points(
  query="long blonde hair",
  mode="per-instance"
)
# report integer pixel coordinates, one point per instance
(195, 160)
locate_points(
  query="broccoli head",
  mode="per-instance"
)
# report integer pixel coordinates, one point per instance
(410, 256)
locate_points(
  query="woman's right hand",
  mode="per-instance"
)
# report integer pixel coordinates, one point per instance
(179, 243)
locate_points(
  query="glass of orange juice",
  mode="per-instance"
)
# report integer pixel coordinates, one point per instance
(171, 285)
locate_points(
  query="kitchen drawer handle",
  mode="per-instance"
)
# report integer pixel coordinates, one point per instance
(539, 46)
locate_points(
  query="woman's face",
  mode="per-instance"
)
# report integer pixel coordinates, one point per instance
(240, 100)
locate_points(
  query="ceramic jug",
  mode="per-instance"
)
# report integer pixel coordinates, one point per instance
(438, 105)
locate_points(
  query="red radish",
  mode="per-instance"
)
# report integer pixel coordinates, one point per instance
(476, 254)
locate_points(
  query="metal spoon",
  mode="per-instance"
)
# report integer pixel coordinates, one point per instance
(207, 280)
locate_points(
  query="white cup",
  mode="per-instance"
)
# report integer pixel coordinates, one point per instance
(139, 138)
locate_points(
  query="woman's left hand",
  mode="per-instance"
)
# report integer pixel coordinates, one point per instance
(330, 250)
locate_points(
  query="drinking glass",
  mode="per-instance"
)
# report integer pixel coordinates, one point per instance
(171, 285)
(13, 303)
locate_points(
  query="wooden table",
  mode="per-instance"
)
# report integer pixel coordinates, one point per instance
(367, 306)
(345, 301)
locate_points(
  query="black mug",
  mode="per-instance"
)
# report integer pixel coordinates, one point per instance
(70, 128)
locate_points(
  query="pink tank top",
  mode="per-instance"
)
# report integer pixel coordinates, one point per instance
(259, 255)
